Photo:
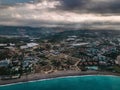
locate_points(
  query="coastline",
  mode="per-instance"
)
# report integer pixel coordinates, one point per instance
(39, 76)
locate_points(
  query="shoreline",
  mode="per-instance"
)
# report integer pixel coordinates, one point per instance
(59, 74)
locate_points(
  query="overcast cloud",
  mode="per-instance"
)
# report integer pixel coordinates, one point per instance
(67, 13)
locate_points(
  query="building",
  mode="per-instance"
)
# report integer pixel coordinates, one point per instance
(29, 45)
(79, 44)
(5, 63)
(118, 60)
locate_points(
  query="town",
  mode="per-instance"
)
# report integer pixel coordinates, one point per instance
(80, 50)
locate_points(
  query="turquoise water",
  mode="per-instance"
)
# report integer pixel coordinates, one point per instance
(70, 83)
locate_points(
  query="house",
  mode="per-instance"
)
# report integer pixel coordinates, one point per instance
(2, 45)
(92, 68)
(118, 60)
(29, 45)
(5, 63)
(79, 44)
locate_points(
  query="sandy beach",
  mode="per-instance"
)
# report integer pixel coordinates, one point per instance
(39, 76)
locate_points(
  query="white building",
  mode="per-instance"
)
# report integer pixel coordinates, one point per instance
(29, 45)
(118, 60)
(79, 44)
(4, 63)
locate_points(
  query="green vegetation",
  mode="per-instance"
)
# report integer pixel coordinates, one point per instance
(116, 68)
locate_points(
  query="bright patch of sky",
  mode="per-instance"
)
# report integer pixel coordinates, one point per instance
(11, 2)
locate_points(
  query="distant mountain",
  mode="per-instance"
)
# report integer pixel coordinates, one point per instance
(51, 32)
(26, 31)
(83, 33)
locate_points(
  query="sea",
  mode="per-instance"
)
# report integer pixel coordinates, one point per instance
(88, 82)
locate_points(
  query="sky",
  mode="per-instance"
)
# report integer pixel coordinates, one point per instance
(101, 14)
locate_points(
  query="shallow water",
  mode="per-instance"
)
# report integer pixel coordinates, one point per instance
(70, 83)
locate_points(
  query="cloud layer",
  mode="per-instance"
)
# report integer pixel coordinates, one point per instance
(67, 13)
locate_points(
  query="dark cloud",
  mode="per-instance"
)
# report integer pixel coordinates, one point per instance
(94, 6)
(107, 7)
(67, 13)
(73, 4)
(85, 6)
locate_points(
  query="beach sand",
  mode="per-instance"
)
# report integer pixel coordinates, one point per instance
(39, 76)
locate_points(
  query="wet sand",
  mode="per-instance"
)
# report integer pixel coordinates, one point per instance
(39, 76)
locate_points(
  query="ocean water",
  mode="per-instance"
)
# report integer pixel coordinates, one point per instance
(69, 83)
